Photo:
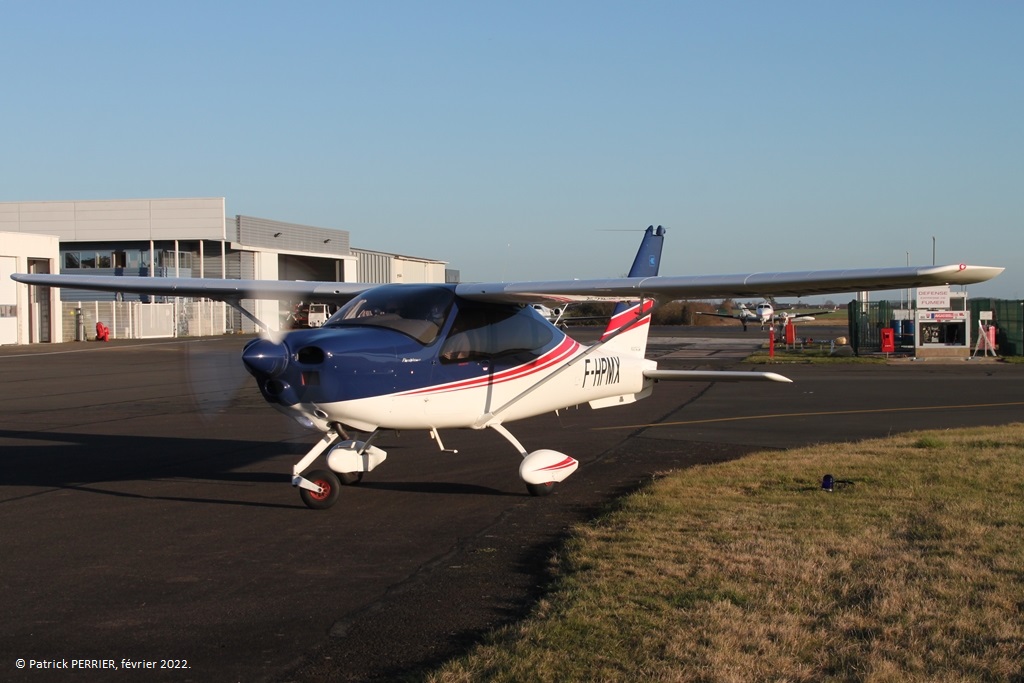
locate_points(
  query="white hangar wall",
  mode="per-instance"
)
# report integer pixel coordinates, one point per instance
(379, 267)
(28, 314)
(118, 219)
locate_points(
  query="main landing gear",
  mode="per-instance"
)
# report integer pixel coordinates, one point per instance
(542, 469)
(348, 460)
(539, 490)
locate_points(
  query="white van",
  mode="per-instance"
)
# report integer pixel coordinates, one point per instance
(318, 315)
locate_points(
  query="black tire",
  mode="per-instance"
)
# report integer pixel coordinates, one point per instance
(350, 478)
(330, 484)
(538, 490)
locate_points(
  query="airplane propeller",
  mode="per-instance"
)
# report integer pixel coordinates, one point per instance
(220, 388)
(265, 356)
(215, 378)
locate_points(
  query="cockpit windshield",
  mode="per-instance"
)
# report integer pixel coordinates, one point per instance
(418, 311)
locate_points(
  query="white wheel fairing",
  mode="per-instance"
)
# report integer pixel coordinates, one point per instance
(354, 456)
(545, 466)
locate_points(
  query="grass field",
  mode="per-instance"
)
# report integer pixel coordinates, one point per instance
(816, 356)
(911, 569)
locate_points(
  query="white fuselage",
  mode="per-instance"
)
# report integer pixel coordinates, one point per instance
(563, 377)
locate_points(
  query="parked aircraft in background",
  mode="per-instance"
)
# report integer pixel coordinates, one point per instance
(553, 315)
(475, 355)
(764, 314)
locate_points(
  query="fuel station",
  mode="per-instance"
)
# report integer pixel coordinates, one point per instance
(938, 323)
(942, 322)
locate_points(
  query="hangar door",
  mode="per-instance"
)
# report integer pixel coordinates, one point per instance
(8, 301)
(292, 267)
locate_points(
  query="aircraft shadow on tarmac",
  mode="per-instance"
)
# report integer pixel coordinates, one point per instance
(81, 461)
(438, 487)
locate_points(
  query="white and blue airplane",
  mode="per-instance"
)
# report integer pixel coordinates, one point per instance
(475, 355)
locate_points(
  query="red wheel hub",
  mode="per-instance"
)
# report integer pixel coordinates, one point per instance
(326, 492)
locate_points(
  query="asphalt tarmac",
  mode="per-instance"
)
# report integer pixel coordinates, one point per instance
(147, 518)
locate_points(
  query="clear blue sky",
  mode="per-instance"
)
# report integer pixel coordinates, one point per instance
(513, 139)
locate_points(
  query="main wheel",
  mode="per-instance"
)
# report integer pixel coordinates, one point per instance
(326, 480)
(350, 478)
(541, 489)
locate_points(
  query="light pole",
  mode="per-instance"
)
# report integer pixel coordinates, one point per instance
(908, 288)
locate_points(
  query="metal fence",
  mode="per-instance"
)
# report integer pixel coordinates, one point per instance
(1008, 317)
(866, 320)
(136, 320)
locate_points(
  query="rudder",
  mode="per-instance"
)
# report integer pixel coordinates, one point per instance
(633, 337)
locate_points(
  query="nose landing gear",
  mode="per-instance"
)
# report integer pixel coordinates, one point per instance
(348, 460)
(328, 486)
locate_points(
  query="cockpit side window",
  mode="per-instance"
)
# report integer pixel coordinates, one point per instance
(484, 332)
(414, 310)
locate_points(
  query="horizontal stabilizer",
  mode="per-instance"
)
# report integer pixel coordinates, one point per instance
(715, 376)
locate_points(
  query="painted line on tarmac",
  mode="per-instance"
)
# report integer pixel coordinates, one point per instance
(770, 416)
(115, 347)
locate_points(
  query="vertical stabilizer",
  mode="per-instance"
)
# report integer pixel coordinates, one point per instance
(630, 322)
(648, 256)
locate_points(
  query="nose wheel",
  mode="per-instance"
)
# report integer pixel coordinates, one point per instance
(327, 496)
(350, 478)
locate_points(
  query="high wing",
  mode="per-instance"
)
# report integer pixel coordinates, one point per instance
(209, 288)
(671, 288)
(663, 289)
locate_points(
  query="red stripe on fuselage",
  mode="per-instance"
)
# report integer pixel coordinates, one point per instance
(628, 316)
(564, 350)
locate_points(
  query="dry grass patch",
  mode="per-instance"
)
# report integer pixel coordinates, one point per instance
(749, 571)
(812, 356)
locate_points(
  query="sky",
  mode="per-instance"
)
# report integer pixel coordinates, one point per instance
(535, 140)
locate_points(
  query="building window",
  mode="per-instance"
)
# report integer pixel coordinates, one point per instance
(167, 258)
(72, 259)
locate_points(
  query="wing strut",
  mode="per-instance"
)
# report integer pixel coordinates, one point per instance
(267, 332)
(498, 427)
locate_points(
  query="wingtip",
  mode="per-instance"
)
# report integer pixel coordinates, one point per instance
(966, 274)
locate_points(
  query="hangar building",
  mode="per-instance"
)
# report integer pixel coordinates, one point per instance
(28, 314)
(190, 237)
